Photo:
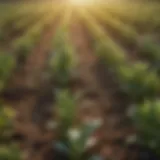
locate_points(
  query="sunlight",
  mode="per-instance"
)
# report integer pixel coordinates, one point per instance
(81, 2)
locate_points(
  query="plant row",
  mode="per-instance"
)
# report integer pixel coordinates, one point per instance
(73, 141)
(135, 79)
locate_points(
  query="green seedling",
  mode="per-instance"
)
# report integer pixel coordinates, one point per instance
(138, 81)
(7, 64)
(73, 141)
(8, 150)
(63, 62)
(150, 50)
(146, 119)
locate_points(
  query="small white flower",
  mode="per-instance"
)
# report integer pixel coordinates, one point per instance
(52, 125)
(74, 134)
(91, 142)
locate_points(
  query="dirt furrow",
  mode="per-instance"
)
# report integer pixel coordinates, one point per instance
(86, 62)
(106, 104)
(30, 76)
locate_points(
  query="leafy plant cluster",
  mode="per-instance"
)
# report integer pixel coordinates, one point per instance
(150, 49)
(146, 119)
(7, 63)
(8, 149)
(74, 141)
(63, 62)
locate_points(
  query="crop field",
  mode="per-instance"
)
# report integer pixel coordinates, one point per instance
(80, 81)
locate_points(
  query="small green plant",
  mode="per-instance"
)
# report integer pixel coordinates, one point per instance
(66, 109)
(138, 81)
(8, 149)
(109, 55)
(23, 46)
(63, 62)
(150, 50)
(73, 140)
(7, 64)
(147, 121)
(10, 152)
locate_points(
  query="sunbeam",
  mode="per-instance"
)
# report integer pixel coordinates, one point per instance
(82, 2)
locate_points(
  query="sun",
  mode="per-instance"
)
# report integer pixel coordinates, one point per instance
(81, 2)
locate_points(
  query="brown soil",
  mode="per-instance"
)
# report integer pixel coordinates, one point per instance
(108, 102)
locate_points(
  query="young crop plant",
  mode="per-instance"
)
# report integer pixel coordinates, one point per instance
(22, 46)
(146, 120)
(63, 61)
(7, 63)
(116, 59)
(74, 141)
(5, 122)
(8, 149)
(150, 50)
(138, 81)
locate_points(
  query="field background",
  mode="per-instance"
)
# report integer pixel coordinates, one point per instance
(80, 80)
